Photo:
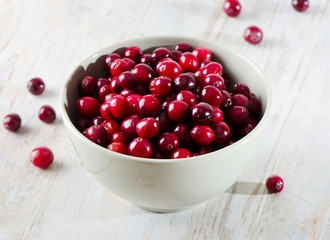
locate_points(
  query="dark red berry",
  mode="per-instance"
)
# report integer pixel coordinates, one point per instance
(180, 153)
(237, 115)
(182, 130)
(168, 142)
(274, 184)
(102, 82)
(88, 107)
(232, 8)
(105, 111)
(175, 55)
(148, 59)
(185, 81)
(241, 88)
(149, 106)
(41, 157)
(300, 5)
(47, 114)
(202, 135)
(119, 137)
(240, 100)
(118, 147)
(140, 147)
(88, 86)
(214, 80)
(133, 53)
(226, 100)
(143, 73)
(165, 124)
(133, 103)
(103, 91)
(202, 113)
(178, 111)
(128, 126)
(12, 122)
(97, 134)
(82, 123)
(109, 59)
(36, 86)
(127, 80)
(222, 133)
(254, 106)
(183, 47)
(253, 35)
(98, 120)
(247, 127)
(160, 53)
(147, 127)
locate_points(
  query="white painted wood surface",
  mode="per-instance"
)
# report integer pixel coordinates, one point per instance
(49, 38)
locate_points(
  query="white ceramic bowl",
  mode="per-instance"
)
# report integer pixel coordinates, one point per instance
(167, 185)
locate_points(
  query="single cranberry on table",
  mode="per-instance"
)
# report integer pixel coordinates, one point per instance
(168, 142)
(140, 147)
(202, 135)
(47, 114)
(178, 111)
(202, 54)
(41, 157)
(133, 53)
(88, 107)
(118, 147)
(253, 35)
(97, 134)
(181, 153)
(274, 184)
(300, 5)
(36, 86)
(232, 8)
(202, 113)
(147, 127)
(12, 122)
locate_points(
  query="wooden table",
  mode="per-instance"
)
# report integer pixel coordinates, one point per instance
(49, 38)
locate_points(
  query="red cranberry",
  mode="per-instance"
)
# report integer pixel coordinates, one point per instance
(199, 76)
(202, 54)
(120, 65)
(119, 107)
(98, 120)
(253, 35)
(222, 133)
(169, 68)
(175, 55)
(165, 124)
(183, 132)
(202, 113)
(183, 47)
(188, 62)
(133, 53)
(41, 157)
(128, 126)
(12, 122)
(204, 150)
(149, 106)
(119, 137)
(36, 86)
(168, 142)
(232, 8)
(143, 73)
(111, 126)
(88, 86)
(204, 63)
(187, 97)
(185, 81)
(108, 97)
(254, 106)
(300, 5)
(103, 91)
(214, 80)
(82, 123)
(127, 92)
(237, 115)
(247, 127)
(148, 59)
(218, 115)
(102, 82)
(241, 88)
(274, 184)
(202, 135)
(47, 114)
(97, 134)
(178, 111)
(105, 111)
(133, 103)
(147, 127)
(127, 80)
(140, 147)
(160, 53)
(109, 59)
(240, 100)
(118, 147)
(114, 85)
(226, 100)
(180, 153)
(212, 68)
(161, 86)
(211, 95)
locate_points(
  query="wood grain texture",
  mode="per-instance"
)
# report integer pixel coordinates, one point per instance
(49, 38)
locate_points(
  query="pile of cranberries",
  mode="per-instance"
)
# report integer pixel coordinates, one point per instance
(165, 104)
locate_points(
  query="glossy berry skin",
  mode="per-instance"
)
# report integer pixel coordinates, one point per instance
(143, 73)
(160, 53)
(148, 59)
(119, 137)
(97, 134)
(127, 80)
(36, 86)
(161, 86)
(118, 147)
(188, 62)
(165, 124)
(180, 153)
(254, 106)
(109, 59)
(211, 95)
(178, 111)
(103, 91)
(88, 107)
(149, 106)
(202, 135)
(175, 55)
(133, 53)
(212, 68)
(47, 114)
(168, 142)
(202, 113)
(41, 157)
(114, 85)
(240, 100)
(300, 5)
(232, 8)
(169, 68)
(119, 107)
(147, 127)
(247, 127)
(105, 111)
(12, 122)
(140, 147)
(202, 54)
(111, 126)
(98, 120)
(128, 126)
(102, 82)
(133, 103)
(218, 115)
(214, 80)
(253, 35)
(187, 97)
(182, 130)
(120, 65)
(183, 47)
(222, 133)
(237, 115)
(185, 81)
(227, 102)
(88, 86)
(241, 88)
(274, 184)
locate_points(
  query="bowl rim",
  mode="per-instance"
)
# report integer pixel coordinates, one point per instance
(263, 121)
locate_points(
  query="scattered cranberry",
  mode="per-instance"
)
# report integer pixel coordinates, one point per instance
(300, 5)
(232, 8)
(140, 147)
(147, 127)
(12, 122)
(180, 153)
(97, 134)
(41, 157)
(118, 147)
(36, 86)
(253, 35)
(274, 184)
(47, 114)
